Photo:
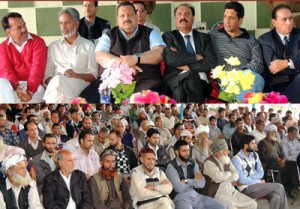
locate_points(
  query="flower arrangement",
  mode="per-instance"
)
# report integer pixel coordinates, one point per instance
(234, 81)
(118, 80)
(265, 98)
(149, 97)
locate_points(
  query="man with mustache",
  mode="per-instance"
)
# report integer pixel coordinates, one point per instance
(186, 179)
(71, 64)
(250, 182)
(138, 46)
(149, 185)
(189, 58)
(23, 61)
(280, 48)
(18, 190)
(66, 187)
(107, 187)
(221, 177)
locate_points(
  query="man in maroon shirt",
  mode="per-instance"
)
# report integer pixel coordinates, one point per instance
(23, 62)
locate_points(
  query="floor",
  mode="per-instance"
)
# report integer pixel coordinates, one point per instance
(263, 204)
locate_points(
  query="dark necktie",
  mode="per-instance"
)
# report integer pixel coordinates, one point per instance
(189, 46)
(287, 52)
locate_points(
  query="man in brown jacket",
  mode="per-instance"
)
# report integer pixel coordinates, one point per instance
(107, 187)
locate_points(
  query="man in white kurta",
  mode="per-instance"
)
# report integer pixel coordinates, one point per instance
(71, 63)
(222, 172)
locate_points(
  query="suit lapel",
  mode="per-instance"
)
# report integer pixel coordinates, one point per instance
(197, 42)
(180, 40)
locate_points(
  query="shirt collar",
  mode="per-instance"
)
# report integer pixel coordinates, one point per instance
(282, 36)
(9, 185)
(31, 142)
(190, 33)
(179, 163)
(10, 40)
(125, 36)
(63, 40)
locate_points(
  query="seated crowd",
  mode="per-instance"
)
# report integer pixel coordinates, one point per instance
(177, 63)
(134, 156)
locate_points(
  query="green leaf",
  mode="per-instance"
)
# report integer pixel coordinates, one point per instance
(224, 96)
(128, 89)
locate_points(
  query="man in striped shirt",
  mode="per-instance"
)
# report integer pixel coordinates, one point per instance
(237, 42)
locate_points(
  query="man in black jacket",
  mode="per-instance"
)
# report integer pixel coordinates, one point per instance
(189, 58)
(66, 187)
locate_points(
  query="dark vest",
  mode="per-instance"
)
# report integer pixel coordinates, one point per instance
(9, 197)
(138, 44)
(190, 173)
(212, 187)
(95, 30)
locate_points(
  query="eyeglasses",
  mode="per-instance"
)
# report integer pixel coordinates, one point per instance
(140, 10)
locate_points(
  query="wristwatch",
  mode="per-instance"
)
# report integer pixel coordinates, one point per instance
(138, 55)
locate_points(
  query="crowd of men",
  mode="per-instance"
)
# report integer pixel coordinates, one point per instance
(177, 63)
(134, 156)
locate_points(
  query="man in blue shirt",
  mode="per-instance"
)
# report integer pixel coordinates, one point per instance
(185, 177)
(250, 171)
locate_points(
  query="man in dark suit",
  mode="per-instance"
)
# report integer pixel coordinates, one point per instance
(281, 53)
(189, 58)
(66, 187)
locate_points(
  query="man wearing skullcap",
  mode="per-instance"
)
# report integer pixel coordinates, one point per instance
(18, 190)
(107, 187)
(201, 145)
(250, 180)
(273, 158)
(221, 176)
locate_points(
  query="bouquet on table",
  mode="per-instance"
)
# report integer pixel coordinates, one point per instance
(118, 81)
(149, 97)
(232, 81)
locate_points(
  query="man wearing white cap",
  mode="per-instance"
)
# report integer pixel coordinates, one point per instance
(18, 190)
(221, 176)
(201, 146)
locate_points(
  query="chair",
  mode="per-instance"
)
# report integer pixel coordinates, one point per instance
(271, 172)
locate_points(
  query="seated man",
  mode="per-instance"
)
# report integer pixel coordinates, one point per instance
(107, 187)
(237, 42)
(66, 187)
(188, 55)
(149, 185)
(135, 45)
(280, 51)
(250, 171)
(185, 177)
(18, 190)
(23, 62)
(90, 26)
(221, 177)
(71, 64)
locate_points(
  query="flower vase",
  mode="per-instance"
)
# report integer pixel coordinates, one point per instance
(105, 96)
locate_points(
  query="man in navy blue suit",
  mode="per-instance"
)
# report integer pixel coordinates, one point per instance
(281, 53)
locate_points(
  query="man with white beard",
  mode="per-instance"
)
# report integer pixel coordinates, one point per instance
(221, 176)
(18, 190)
(71, 63)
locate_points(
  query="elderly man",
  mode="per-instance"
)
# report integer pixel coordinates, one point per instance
(186, 178)
(238, 42)
(250, 171)
(222, 176)
(138, 46)
(66, 187)
(280, 53)
(149, 185)
(18, 190)
(23, 61)
(90, 26)
(201, 146)
(71, 64)
(107, 187)
(188, 54)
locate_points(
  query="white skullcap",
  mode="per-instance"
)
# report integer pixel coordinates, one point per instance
(186, 133)
(149, 123)
(140, 110)
(11, 161)
(276, 119)
(201, 129)
(124, 121)
(270, 127)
